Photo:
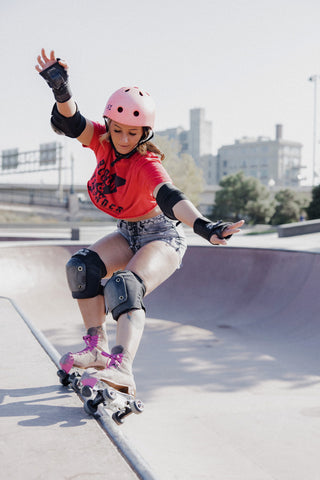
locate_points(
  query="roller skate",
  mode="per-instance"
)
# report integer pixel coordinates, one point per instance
(114, 387)
(93, 355)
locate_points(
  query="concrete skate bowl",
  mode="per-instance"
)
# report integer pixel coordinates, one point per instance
(230, 351)
(256, 289)
(267, 295)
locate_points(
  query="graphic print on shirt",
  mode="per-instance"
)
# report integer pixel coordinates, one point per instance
(103, 183)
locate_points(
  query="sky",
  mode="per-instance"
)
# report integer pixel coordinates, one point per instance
(246, 62)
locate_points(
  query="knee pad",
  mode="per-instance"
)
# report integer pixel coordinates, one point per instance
(85, 269)
(124, 292)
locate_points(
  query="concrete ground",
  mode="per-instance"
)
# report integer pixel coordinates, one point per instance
(228, 366)
(44, 434)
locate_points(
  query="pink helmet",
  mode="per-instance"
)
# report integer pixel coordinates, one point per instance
(131, 106)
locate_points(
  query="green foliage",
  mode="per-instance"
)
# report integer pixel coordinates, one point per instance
(181, 168)
(313, 210)
(243, 197)
(288, 207)
(260, 210)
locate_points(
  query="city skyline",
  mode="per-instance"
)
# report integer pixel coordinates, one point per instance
(192, 141)
(275, 161)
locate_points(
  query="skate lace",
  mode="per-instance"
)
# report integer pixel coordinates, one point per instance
(115, 359)
(91, 342)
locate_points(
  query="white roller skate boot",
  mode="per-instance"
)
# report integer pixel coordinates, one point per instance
(117, 373)
(93, 355)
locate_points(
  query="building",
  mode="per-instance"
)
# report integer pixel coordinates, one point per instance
(197, 142)
(179, 135)
(209, 166)
(200, 134)
(274, 162)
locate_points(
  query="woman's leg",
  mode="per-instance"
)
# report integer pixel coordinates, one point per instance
(153, 263)
(114, 251)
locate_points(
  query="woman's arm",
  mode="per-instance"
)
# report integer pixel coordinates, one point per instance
(66, 118)
(184, 211)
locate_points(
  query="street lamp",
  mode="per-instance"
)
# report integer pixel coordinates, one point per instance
(314, 79)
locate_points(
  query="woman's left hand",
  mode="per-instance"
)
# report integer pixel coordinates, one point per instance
(230, 230)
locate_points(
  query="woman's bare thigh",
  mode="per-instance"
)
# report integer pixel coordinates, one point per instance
(114, 251)
(154, 263)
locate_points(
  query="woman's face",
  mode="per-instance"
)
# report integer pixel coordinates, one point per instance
(124, 137)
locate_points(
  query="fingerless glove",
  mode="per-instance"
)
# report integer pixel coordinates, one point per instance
(206, 229)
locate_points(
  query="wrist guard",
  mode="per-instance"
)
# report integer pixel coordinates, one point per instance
(206, 229)
(56, 77)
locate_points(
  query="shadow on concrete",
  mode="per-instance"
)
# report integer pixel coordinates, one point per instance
(42, 409)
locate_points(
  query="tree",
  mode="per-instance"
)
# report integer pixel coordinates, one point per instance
(261, 209)
(181, 168)
(288, 207)
(243, 197)
(313, 210)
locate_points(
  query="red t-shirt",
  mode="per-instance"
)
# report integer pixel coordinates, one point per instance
(124, 190)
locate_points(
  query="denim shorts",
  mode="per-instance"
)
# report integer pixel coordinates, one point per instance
(160, 227)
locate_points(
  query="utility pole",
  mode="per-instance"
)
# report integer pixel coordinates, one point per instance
(314, 79)
(72, 173)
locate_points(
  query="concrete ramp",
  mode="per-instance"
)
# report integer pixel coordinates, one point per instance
(262, 291)
(229, 363)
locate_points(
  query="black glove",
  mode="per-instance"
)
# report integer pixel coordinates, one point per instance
(206, 229)
(56, 77)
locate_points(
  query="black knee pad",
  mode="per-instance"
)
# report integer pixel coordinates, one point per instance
(124, 292)
(85, 269)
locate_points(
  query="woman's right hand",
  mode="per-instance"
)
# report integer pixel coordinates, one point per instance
(57, 79)
(44, 61)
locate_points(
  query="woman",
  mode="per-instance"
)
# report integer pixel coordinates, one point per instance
(130, 184)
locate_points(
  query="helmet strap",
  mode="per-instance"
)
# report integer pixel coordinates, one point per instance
(151, 135)
(119, 156)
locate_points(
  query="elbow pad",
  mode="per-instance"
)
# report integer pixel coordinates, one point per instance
(70, 126)
(167, 197)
